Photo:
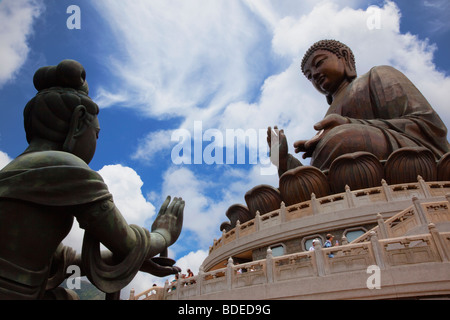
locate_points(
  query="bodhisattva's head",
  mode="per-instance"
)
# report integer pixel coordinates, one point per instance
(328, 64)
(62, 116)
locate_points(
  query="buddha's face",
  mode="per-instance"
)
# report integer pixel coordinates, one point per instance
(326, 71)
(86, 143)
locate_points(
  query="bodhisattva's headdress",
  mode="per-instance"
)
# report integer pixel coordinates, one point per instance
(61, 89)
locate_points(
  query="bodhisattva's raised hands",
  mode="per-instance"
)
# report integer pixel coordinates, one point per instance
(169, 221)
(165, 231)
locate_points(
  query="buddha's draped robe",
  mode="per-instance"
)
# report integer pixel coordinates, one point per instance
(386, 112)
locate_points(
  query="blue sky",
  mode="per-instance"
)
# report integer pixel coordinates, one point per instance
(158, 66)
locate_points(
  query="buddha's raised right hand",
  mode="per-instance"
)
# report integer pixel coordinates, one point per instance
(278, 147)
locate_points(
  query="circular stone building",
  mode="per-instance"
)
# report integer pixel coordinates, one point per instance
(391, 238)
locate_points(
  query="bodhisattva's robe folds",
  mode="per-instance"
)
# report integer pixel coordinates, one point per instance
(52, 178)
(40, 193)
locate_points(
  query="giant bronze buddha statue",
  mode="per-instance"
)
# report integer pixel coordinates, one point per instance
(378, 127)
(373, 118)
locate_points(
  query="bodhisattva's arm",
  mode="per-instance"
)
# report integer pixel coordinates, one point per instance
(105, 221)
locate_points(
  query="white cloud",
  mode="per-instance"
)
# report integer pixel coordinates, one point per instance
(193, 260)
(198, 213)
(208, 199)
(125, 186)
(16, 20)
(105, 99)
(436, 14)
(4, 159)
(152, 144)
(180, 55)
(141, 282)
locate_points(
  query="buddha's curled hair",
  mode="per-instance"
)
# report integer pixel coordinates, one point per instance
(61, 89)
(333, 46)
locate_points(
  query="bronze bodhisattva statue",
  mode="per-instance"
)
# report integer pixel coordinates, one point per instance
(50, 184)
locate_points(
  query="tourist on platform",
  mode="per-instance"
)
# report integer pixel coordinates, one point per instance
(329, 243)
(190, 275)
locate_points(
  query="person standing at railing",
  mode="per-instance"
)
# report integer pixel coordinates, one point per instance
(190, 275)
(174, 283)
(329, 244)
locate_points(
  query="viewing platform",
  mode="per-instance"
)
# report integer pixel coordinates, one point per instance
(408, 248)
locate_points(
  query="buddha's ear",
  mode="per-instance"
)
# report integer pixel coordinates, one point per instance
(350, 70)
(76, 127)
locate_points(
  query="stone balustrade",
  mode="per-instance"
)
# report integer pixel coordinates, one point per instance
(384, 194)
(154, 293)
(431, 247)
(421, 213)
(408, 241)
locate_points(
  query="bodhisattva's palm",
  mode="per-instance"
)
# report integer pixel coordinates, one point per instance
(169, 221)
(168, 224)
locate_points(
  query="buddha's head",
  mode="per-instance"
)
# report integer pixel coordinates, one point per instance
(61, 113)
(327, 64)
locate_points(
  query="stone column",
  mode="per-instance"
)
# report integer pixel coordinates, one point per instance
(440, 246)
(166, 289)
(199, 281)
(424, 187)
(269, 266)
(131, 294)
(229, 274)
(257, 221)
(344, 240)
(177, 291)
(377, 250)
(315, 204)
(384, 233)
(419, 211)
(387, 190)
(350, 197)
(282, 212)
(320, 261)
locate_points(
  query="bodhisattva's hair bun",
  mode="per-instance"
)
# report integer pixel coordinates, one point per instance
(67, 74)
